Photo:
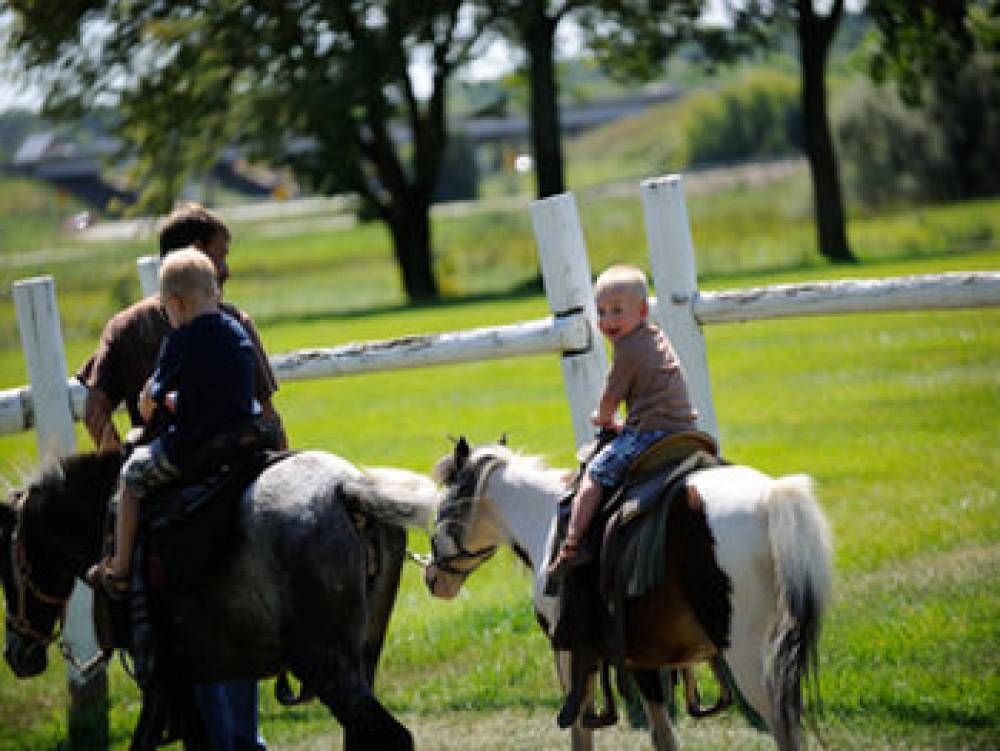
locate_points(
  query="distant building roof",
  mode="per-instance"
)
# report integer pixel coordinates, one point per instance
(43, 147)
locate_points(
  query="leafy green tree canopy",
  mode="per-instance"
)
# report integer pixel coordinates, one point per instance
(930, 41)
(326, 87)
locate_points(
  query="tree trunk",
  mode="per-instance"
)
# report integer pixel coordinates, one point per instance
(409, 223)
(814, 38)
(540, 32)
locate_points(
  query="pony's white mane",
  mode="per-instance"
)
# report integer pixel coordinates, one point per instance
(519, 468)
(514, 459)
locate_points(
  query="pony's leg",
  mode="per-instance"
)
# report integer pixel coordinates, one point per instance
(388, 547)
(327, 640)
(654, 703)
(581, 738)
(367, 724)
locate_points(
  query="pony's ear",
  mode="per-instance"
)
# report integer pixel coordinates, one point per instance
(502, 440)
(462, 452)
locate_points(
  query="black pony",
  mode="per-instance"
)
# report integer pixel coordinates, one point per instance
(309, 589)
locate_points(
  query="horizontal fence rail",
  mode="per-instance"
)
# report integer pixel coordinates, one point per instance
(895, 294)
(548, 335)
(571, 333)
(553, 335)
(17, 411)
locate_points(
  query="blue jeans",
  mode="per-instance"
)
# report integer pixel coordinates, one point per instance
(230, 714)
(608, 467)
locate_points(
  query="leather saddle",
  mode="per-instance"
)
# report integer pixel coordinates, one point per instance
(653, 595)
(188, 527)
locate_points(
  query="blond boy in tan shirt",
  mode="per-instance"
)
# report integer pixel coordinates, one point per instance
(646, 375)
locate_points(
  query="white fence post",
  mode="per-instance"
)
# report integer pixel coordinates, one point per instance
(149, 274)
(41, 339)
(566, 272)
(671, 258)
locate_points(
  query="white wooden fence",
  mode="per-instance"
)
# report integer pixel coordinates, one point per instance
(52, 402)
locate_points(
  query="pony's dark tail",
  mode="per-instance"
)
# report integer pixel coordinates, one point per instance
(801, 549)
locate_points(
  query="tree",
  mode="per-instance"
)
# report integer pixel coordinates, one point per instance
(943, 58)
(327, 87)
(532, 25)
(929, 42)
(605, 24)
(814, 31)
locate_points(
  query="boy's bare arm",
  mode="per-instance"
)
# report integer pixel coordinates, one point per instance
(604, 417)
(146, 404)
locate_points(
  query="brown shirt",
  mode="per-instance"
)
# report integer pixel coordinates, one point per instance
(646, 375)
(130, 343)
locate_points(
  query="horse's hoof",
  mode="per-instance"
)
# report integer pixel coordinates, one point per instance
(567, 715)
(593, 721)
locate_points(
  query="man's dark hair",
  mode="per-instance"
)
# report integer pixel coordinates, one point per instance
(191, 224)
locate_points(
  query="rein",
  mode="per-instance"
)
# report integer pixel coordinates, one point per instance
(449, 518)
(24, 586)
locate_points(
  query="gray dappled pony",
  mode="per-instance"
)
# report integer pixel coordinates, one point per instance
(309, 589)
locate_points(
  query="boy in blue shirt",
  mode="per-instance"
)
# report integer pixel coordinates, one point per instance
(204, 379)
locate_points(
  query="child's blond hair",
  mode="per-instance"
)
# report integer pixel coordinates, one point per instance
(187, 273)
(622, 278)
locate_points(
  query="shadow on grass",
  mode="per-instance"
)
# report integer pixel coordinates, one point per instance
(924, 714)
(523, 290)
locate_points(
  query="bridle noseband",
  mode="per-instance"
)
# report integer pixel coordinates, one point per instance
(25, 586)
(449, 521)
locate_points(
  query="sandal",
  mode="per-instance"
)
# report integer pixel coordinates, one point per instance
(115, 586)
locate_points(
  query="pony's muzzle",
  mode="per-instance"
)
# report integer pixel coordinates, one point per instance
(438, 585)
(26, 658)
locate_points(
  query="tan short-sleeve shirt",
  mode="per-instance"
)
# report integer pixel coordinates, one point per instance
(646, 375)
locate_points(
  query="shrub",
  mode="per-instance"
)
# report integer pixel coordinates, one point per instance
(756, 116)
(945, 150)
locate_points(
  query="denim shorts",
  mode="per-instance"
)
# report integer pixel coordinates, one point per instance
(147, 468)
(608, 467)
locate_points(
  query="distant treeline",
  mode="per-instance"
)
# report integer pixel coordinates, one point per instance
(945, 149)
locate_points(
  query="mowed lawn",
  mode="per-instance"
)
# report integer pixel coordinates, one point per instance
(895, 415)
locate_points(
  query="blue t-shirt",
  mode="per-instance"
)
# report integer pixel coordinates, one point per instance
(211, 364)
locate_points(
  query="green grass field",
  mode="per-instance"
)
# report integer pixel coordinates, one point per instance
(895, 415)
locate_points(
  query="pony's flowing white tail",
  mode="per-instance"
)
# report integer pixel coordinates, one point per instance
(395, 496)
(801, 548)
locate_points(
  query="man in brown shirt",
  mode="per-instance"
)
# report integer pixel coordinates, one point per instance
(130, 342)
(646, 375)
(117, 372)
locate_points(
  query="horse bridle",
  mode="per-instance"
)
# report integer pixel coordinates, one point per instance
(25, 586)
(449, 522)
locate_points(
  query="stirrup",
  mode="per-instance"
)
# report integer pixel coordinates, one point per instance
(571, 556)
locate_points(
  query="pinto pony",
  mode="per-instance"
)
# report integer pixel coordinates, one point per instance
(771, 540)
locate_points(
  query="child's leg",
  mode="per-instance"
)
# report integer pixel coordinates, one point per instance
(584, 505)
(582, 509)
(126, 523)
